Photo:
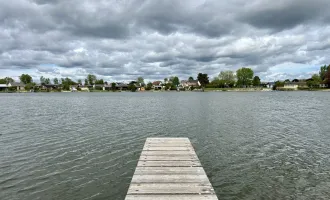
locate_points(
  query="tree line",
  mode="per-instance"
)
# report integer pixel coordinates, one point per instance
(244, 77)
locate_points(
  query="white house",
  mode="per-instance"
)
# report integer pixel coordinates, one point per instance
(291, 85)
(157, 85)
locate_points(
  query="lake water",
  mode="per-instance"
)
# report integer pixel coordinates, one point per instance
(67, 146)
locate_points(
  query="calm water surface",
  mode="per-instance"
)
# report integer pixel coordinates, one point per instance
(67, 146)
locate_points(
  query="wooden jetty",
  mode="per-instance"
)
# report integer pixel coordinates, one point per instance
(169, 169)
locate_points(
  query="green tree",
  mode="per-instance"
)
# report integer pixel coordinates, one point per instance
(55, 80)
(149, 86)
(315, 81)
(203, 79)
(140, 81)
(100, 82)
(25, 78)
(66, 83)
(29, 86)
(47, 81)
(256, 81)
(287, 81)
(9, 80)
(79, 82)
(278, 84)
(86, 82)
(175, 81)
(227, 77)
(327, 78)
(113, 86)
(6, 80)
(168, 86)
(244, 76)
(132, 87)
(42, 80)
(165, 80)
(91, 79)
(190, 78)
(323, 71)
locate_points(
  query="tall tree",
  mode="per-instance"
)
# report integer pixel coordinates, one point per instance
(203, 79)
(190, 78)
(323, 71)
(86, 82)
(42, 79)
(66, 83)
(9, 80)
(55, 80)
(100, 82)
(327, 78)
(79, 82)
(91, 79)
(256, 81)
(244, 76)
(315, 81)
(175, 81)
(165, 80)
(113, 86)
(25, 78)
(227, 77)
(6, 80)
(140, 81)
(47, 81)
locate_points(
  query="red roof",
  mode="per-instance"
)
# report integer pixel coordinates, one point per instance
(156, 83)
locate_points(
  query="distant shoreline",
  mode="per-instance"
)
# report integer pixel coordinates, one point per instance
(206, 90)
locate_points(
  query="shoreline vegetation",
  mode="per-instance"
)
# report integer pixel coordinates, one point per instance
(243, 80)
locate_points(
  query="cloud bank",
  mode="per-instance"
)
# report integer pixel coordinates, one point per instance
(123, 39)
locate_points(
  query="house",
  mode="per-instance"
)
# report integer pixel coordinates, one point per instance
(270, 84)
(17, 86)
(291, 85)
(190, 84)
(157, 85)
(121, 86)
(50, 86)
(85, 88)
(3, 87)
(323, 85)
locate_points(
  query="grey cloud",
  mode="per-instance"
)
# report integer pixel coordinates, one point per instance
(280, 15)
(156, 39)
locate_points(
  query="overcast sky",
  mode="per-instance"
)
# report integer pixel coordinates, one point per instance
(123, 39)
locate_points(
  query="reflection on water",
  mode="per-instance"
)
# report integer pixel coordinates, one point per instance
(86, 145)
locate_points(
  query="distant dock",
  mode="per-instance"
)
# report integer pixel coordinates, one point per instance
(169, 169)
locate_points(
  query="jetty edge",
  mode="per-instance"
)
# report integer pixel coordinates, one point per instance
(169, 169)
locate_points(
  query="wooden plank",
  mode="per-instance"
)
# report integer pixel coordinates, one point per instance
(169, 169)
(170, 188)
(168, 157)
(171, 197)
(172, 178)
(168, 153)
(169, 164)
(167, 149)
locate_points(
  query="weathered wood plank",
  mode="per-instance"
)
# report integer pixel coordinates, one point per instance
(176, 178)
(171, 197)
(170, 188)
(167, 153)
(167, 149)
(168, 157)
(169, 164)
(169, 170)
